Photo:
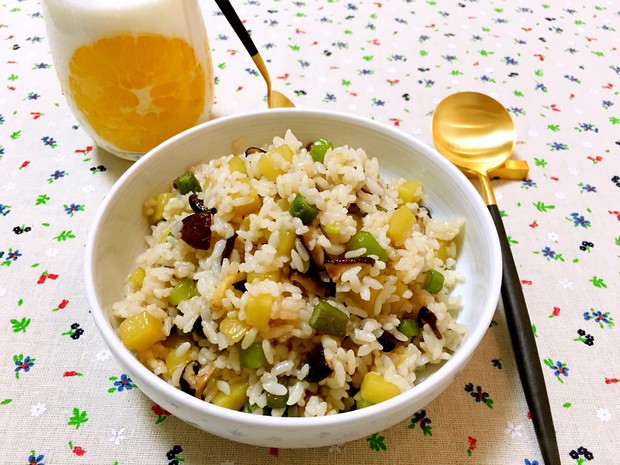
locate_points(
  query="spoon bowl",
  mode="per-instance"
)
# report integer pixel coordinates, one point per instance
(475, 132)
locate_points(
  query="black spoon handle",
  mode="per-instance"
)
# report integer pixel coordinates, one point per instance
(526, 352)
(232, 17)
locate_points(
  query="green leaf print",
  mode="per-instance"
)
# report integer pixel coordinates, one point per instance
(553, 127)
(42, 199)
(541, 162)
(376, 442)
(64, 235)
(542, 207)
(6, 401)
(598, 282)
(20, 325)
(78, 418)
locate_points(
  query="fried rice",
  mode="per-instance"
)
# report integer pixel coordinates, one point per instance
(249, 336)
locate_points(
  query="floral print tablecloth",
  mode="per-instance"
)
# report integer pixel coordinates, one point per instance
(555, 65)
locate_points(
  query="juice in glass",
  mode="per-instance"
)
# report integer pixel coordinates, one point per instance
(134, 72)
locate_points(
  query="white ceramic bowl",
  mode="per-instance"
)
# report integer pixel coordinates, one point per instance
(117, 236)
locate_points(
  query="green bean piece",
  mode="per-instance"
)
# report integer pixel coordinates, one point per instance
(253, 356)
(328, 319)
(300, 208)
(184, 290)
(409, 328)
(276, 401)
(187, 183)
(363, 239)
(319, 148)
(433, 282)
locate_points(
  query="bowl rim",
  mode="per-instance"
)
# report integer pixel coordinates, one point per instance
(441, 377)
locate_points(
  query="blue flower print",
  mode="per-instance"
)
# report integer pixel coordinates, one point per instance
(124, 383)
(548, 253)
(579, 220)
(603, 319)
(559, 369)
(587, 188)
(34, 459)
(22, 364)
(71, 209)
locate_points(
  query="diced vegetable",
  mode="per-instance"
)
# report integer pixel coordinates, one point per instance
(258, 309)
(267, 164)
(388, 341)
(233, 328)
(426, 316)
(196, 231)
(319, 369)
(267, 167)
(368, 305)
(198, 205)
(187, 183)
(174, 361)
(433, 282)
(236, 164)
(285, 152)
(273, 275)
(137, 277)
(443, 251)
(409, 328)
(400, 225)
(276, 401)
(376, 389)
(401, 288)
(328, 319)
(319, 148)
(287, 242)
(363, 239)
(160, 204)
(233, 401)
(331, 229)
(408, 191)
(254, 205)
(362, 403)
(253, 356)
(141, 331)
(226, 283)
(185, 289)
(300, 208)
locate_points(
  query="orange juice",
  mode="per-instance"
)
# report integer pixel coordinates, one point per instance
(134, 72)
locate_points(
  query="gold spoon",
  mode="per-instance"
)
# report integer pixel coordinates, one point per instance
(477, 134)
(275, 99)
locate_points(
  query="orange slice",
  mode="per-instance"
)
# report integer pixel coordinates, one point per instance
(136, 91)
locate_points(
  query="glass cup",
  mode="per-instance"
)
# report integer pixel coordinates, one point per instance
(134, 72)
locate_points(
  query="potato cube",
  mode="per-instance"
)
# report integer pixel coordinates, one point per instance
(141, 331)
(160, 204)
(252, 205)
(287, 242)
(233, 328)
(410, 191)
(137, 278)
(376, 389)
(400, 225)
(258, 310)
(235, 400)
(236, 164)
